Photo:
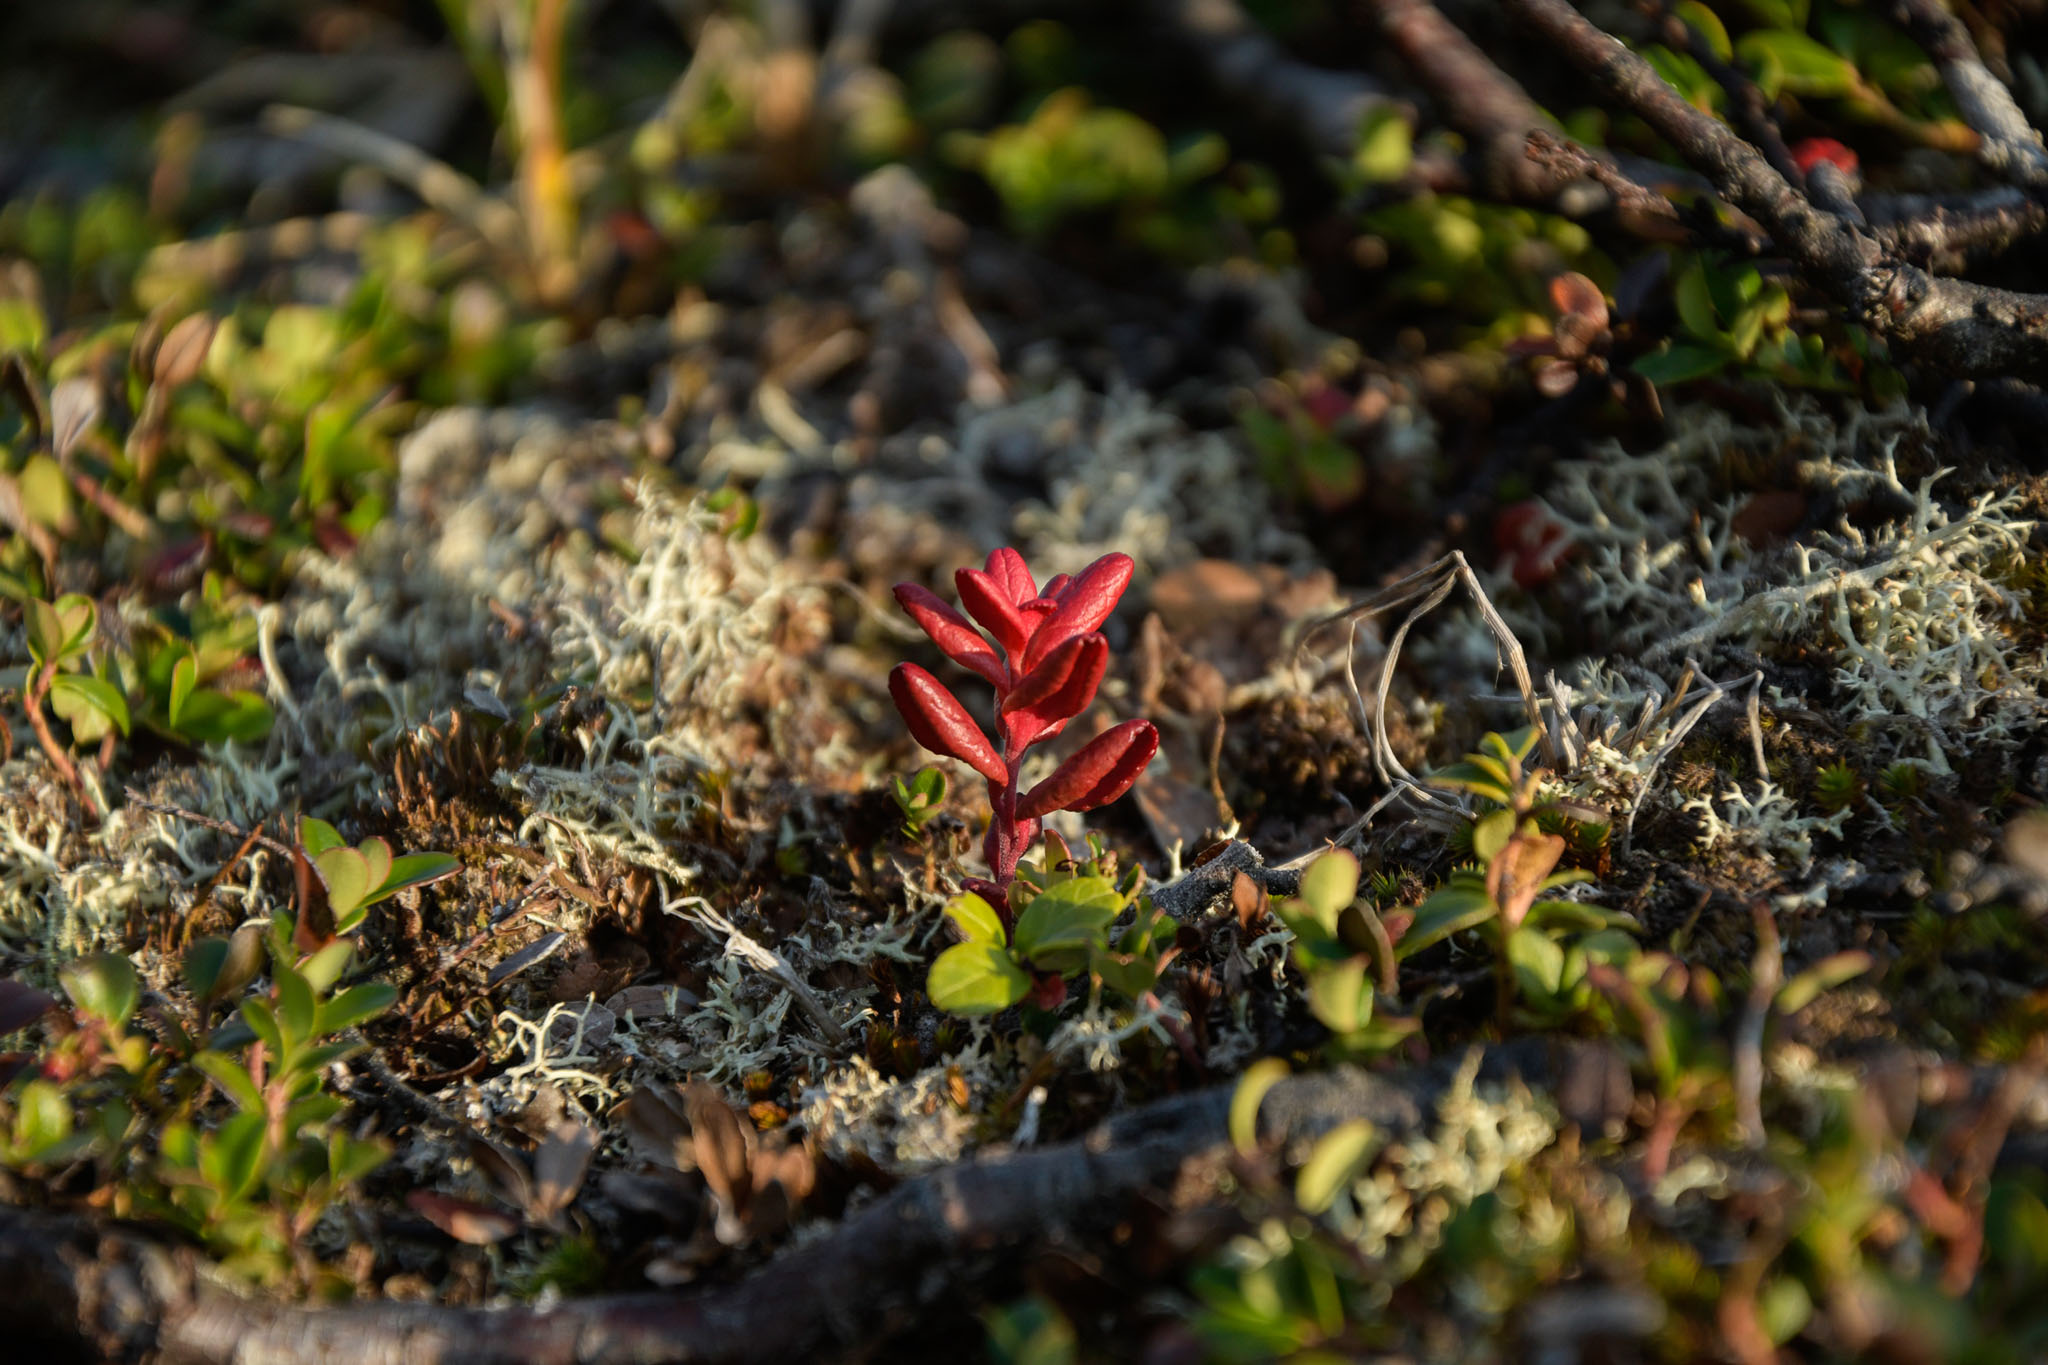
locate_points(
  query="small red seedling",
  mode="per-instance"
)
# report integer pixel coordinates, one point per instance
(1044, 654)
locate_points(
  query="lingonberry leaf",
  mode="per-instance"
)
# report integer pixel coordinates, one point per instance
(1007, 568)
(1085, 604)
(1102, 771)
(1058, 689)
(938, 721)
(988, 602)
(1054, 586)
(950, 631)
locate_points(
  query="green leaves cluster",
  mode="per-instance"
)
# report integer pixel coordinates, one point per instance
(1730, 318)
(61, 637)
(358, 877)
(223, 1127)
(1061, 931)
(920, 799)
(253, 1185)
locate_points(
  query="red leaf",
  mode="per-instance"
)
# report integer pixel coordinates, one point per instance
(988, 602)
(1810, 152)
(1085, 604)
(1007, 568)
(1102, 771)
(962, 643)
(1572, 292)
(1054, 586)
(1059, 688)
(938, 721)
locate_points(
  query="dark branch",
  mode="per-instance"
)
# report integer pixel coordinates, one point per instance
(2011, 146)
(1951, 325)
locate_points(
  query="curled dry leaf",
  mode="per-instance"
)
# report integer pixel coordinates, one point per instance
(74, 407)
(723, 1144)
(1249, 899)
(462, 1219)
(183, 352)
(1516, 874)
(559, 1167)
(659, 1127)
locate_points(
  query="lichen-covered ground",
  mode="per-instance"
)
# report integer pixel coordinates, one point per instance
(586, 585)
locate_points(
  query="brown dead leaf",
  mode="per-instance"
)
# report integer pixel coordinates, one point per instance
(722, 1143)
(463, 1219)
(1518, 870)
(659, 1126)
(559, 1167)
(1249, 899)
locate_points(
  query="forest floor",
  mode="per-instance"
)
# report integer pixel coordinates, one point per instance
(593, 599)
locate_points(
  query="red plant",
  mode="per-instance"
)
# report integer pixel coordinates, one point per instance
(1045, 656)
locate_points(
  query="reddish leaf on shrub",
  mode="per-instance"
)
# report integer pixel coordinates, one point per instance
(950, 631)
(1102, 771)
(939, 722)
(1007, 568)
(1085, 604)
(989, 603)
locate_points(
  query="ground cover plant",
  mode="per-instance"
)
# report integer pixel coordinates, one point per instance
(1504, 546)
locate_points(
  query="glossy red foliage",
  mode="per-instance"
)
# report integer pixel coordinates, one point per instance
(1045, 655)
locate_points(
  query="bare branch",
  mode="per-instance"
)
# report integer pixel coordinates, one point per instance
(1950, 325)
(2012, 147)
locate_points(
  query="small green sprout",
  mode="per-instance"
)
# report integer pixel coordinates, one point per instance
(920, 799)
(1837, 787)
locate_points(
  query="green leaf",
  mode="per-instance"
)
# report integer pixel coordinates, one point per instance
(1339, 1156)
(1680, 361)
(215, 717)
(46, 496)
(1782, 59)
(23, 328)
(74, 694)
(326, 965)
(104, 986)
(231, 1157)
(184, 677)
(1065, 921)
(1538, 962)
(1559, 917)
(203, 963)
(347, 877)
(262, 1021)
(230, 1076)
(1450, 910)
(1341, 995)
(1329, 885)
(1386, 146)
(1695, 299)
(1824, 975)
(354, 1005)
(1482, 776)
(1707, 24)
(1258, 1078)
(318, 836)
(414, 869)
(976, 978)
(61, 629)
(295, 1006)
(1490, 834)
(1130, 975)
(42, 1117)
(976, 919)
